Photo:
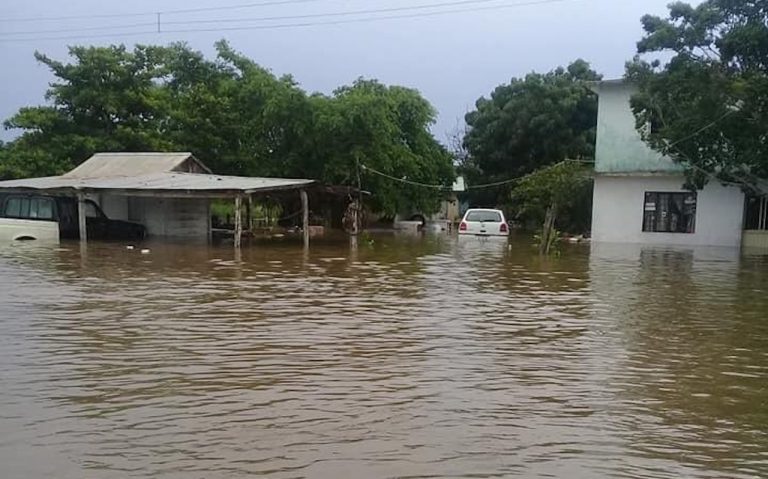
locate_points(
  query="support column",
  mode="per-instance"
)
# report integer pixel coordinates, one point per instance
(81, 219)
(249, 214)
(305, 216)
(238, 221)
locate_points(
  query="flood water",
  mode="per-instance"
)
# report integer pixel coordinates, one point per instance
(402, 358)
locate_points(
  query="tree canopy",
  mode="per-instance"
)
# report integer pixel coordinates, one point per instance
(532, 122)
(560, 188)
(708, 104)
(233, 114)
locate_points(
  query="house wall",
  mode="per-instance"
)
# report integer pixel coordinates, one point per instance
(167, 217)
(755, 239)
(617, 215)
(620, 148)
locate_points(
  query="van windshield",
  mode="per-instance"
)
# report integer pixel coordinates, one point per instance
(484, 216)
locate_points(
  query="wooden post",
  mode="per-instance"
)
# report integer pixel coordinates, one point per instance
(81, 219)
(249, 209)
(238, 221)
(359, 209)
(305, 216)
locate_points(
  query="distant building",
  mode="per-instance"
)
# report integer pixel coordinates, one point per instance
(639, 195)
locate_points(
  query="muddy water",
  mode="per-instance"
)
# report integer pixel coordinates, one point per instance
(402, 358)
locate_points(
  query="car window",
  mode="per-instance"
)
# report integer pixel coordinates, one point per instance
(487, 216)
(29, 208)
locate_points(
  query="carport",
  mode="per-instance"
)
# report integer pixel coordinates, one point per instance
(169, 192)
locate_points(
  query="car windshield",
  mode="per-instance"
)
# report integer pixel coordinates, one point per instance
(485, 216)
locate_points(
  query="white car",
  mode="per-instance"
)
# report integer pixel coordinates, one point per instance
(482, 222)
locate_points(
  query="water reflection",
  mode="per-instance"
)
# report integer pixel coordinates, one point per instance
(691, 366)
(392, 357)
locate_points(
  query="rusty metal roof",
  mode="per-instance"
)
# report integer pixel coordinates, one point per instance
(183, 183)
(147, 173)
(103, 165)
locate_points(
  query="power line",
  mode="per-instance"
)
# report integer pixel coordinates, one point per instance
(403, 180)
(703, 128)
(369, 19)
(66, 30)
(260, 19)
(163, 12)
(335, 14)
(468, 188)
(306, 24)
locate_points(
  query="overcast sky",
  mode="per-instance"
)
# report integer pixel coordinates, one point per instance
(453, 58)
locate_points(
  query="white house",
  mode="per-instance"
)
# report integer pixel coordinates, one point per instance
(639, 195)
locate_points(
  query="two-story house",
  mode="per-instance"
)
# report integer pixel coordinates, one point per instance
(639, 195)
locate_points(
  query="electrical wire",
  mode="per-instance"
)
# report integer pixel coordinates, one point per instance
(162, 12)
(403, 180)
(67, 30)
(467, 188)
(334, 14)
(702, 129)
(304, 24)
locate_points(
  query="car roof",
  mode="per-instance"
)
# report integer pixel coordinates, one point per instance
(484, 209)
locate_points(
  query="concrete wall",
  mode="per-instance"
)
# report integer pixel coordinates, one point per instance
(755, 239)
(620, 148)
(617, 215)
(168, 217)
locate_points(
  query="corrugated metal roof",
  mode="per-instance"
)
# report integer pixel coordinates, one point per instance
(103, 165)
(163, 182)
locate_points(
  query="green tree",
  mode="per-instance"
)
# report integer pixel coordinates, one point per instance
(107, 100)
(235, 115)
(707, 107)
(547, 193)
(385, 128)
(530, 123)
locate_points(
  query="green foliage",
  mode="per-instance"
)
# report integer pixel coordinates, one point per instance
(532, 122)
(548, 242)
(709, 103)
(386, 128)
(561, 187)
(235, 116)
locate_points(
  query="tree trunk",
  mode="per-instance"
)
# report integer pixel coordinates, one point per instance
(548, 229)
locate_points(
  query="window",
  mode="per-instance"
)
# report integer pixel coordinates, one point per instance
(669, 212)
(485, 216)
(29, 208)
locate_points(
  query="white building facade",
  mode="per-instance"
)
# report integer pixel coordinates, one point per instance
(639, 195)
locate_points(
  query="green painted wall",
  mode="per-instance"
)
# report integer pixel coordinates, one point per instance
(620, 149)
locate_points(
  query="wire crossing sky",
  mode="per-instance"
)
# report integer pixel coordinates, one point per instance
(453, 51)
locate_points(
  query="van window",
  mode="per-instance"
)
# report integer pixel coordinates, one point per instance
(29, 208)
(13, 207)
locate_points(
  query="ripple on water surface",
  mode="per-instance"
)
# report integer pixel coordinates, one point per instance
(406, 358)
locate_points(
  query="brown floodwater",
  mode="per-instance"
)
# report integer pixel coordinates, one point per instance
(401, 358)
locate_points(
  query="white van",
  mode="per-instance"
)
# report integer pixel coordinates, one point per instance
(29, 218)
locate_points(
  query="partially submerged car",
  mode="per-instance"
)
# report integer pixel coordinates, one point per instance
(484, 222)
(41, 217)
